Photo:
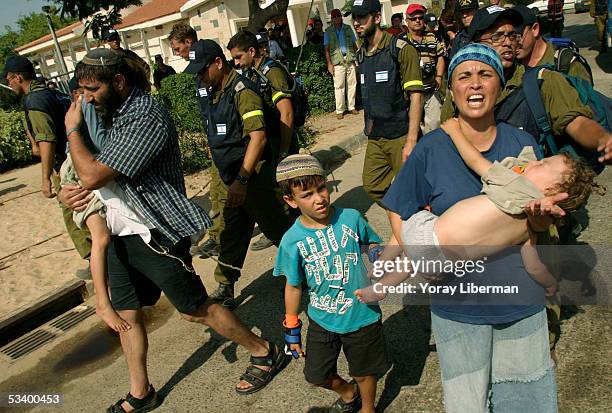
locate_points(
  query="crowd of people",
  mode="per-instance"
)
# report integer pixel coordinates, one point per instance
(446, 117)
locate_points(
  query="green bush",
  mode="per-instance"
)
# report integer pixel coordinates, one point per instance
(306, 136)
(318, 83)
(15, 149)
(177, 93)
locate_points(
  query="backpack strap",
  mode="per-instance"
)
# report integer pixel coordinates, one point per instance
(267, 65)
(396, 45)
(239, 86)
(532, 81)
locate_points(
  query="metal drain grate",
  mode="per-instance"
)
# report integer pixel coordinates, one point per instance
(73, 317)
(45, 333)
(27, 344)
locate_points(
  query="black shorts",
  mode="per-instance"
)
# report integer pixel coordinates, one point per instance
(137, 275)
(365, 351)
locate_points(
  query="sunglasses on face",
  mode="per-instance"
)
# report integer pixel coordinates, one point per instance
(415, 18)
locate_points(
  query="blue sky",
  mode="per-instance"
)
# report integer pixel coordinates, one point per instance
(11, 9)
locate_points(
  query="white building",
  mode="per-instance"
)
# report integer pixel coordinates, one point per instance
(145, 29)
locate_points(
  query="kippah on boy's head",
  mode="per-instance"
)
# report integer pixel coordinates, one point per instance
(302, 171)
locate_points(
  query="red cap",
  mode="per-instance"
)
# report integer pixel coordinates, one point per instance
(336, 13)
(413, 8)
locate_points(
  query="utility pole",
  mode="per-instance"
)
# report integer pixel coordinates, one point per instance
(58, 50)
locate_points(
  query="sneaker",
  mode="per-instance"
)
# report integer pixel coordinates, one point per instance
(261, 244)
(224, 295)
(208, 249)
(340, 116)
(84, 273)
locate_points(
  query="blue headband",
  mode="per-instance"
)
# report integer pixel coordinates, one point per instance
(481, 53)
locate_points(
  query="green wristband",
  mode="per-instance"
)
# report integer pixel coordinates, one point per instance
(70, 131)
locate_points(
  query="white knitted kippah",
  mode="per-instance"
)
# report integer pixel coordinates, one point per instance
(295, 166)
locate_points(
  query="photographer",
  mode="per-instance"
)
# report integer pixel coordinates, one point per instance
(431, 52)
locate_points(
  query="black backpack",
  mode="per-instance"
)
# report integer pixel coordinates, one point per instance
(566, 52)
(299, 97)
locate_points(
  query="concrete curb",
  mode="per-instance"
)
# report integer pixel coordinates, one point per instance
(339, 151)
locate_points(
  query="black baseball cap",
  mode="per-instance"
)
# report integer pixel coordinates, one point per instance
(363, 7)
(110, 34)
(202, 54)
(488, 16)
(262, 38)
(462, 5)
(529, 16)
(17, 64)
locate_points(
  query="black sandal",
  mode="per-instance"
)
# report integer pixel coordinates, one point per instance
(340, 406)
(146, 404)
(258, 378)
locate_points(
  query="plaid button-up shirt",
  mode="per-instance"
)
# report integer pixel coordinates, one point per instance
(142, 145)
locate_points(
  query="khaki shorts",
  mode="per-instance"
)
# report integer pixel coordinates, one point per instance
(419, 237)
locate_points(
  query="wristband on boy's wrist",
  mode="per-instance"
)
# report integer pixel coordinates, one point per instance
(374, 252)
(293, 335)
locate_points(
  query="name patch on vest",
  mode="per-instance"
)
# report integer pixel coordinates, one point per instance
(362, 79)
(382, 76)
(221, 128)
(203, 92)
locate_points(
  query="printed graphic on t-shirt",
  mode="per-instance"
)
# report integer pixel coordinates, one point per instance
(337, 275)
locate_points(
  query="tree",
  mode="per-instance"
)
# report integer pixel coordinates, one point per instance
(258, 17)
(84, 9)
(34, 26)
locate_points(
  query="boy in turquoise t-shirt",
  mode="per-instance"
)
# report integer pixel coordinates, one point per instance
(323, 247)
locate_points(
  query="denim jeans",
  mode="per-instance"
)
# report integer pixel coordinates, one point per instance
(496, 368)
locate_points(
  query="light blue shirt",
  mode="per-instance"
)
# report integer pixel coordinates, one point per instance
(95, 126)
(340, 36)
(329, 259)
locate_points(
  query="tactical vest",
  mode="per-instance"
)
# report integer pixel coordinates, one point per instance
(203, 99)
(515, 111)
(460, 40)
(262, 84)
(55, 105)
(335, 53)
(385, 109)
(271, 113)
(224, 130)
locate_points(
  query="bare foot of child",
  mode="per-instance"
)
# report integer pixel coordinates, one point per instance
(368, 295)
(112, 319)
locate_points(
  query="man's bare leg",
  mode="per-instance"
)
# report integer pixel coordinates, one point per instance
(229, 326)
(135, 345)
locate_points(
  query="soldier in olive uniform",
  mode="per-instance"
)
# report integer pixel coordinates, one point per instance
(237, 138)
(389, 75)
(44, 112)
(536, 51)
(274, 83)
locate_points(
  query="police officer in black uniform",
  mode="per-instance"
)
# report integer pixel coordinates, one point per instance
(467, 9)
